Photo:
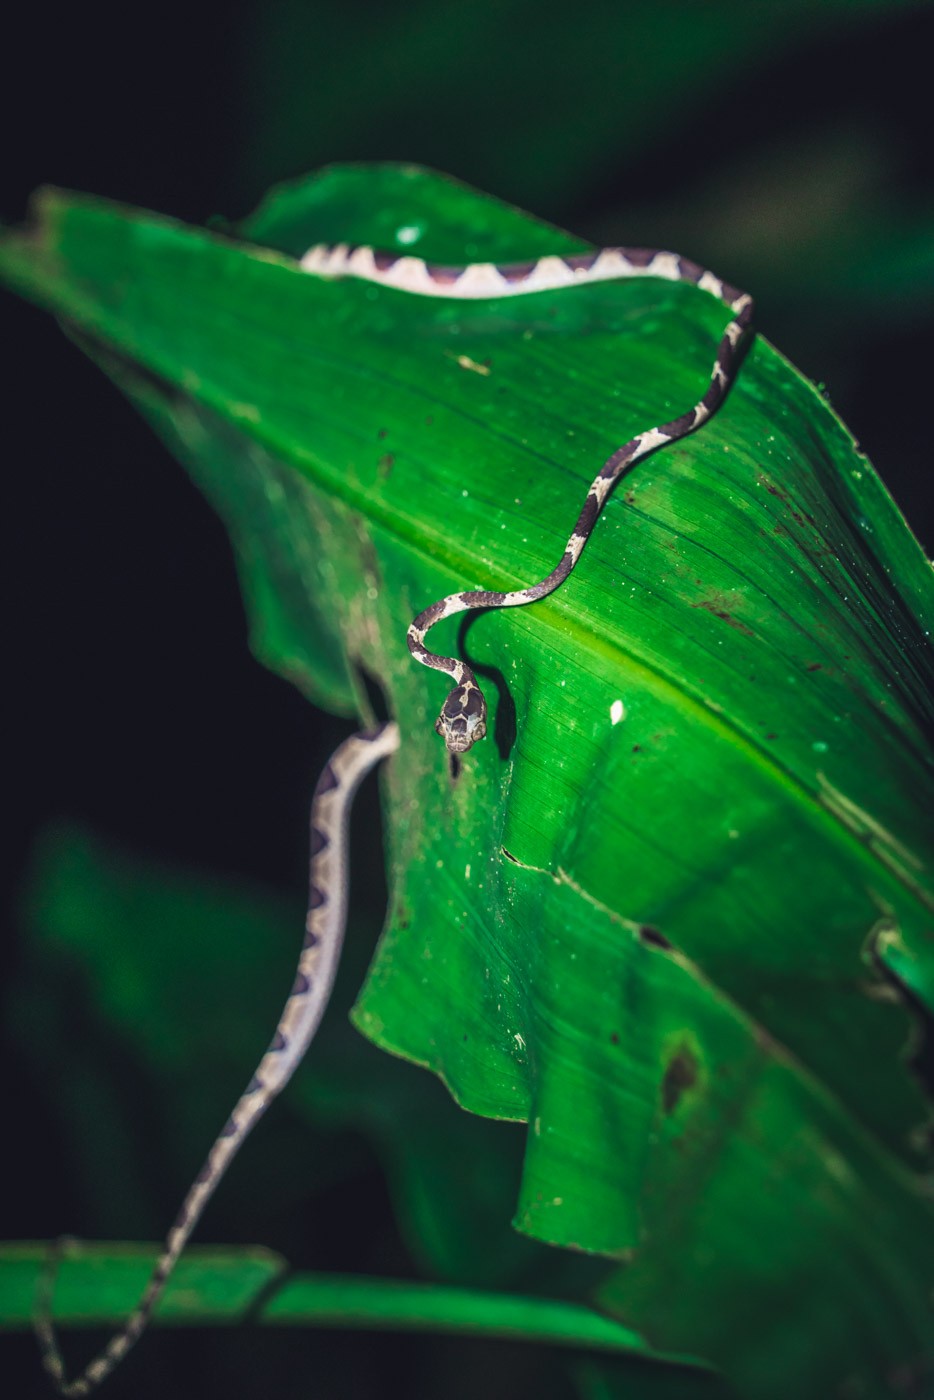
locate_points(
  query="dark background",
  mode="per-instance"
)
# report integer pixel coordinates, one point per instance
(784, 145)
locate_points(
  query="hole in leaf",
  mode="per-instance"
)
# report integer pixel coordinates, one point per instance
(680, 1076)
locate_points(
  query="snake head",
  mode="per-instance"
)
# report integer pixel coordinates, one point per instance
(462, 720)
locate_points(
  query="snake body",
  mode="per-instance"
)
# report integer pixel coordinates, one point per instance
(461, 723)
(314, 978)
(462, 720)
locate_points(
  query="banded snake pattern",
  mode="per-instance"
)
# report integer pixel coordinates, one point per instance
(461, 723)
(462, 720)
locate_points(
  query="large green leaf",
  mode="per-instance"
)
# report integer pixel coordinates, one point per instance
(674, 942)
(129, 926)
(122, 928)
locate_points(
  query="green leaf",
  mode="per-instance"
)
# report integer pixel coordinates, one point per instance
(665, 914)
(98, 1285)
(121, 928)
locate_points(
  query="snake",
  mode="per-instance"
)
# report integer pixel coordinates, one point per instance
(461, 723)
(463, 718)
(314, 978)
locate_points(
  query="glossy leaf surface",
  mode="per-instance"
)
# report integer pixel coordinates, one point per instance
(665, 914)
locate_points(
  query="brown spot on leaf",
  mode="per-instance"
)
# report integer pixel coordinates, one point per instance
(680, 1075)
(653, 937)
(710, 605)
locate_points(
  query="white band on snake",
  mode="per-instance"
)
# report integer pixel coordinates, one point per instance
(461, 723)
